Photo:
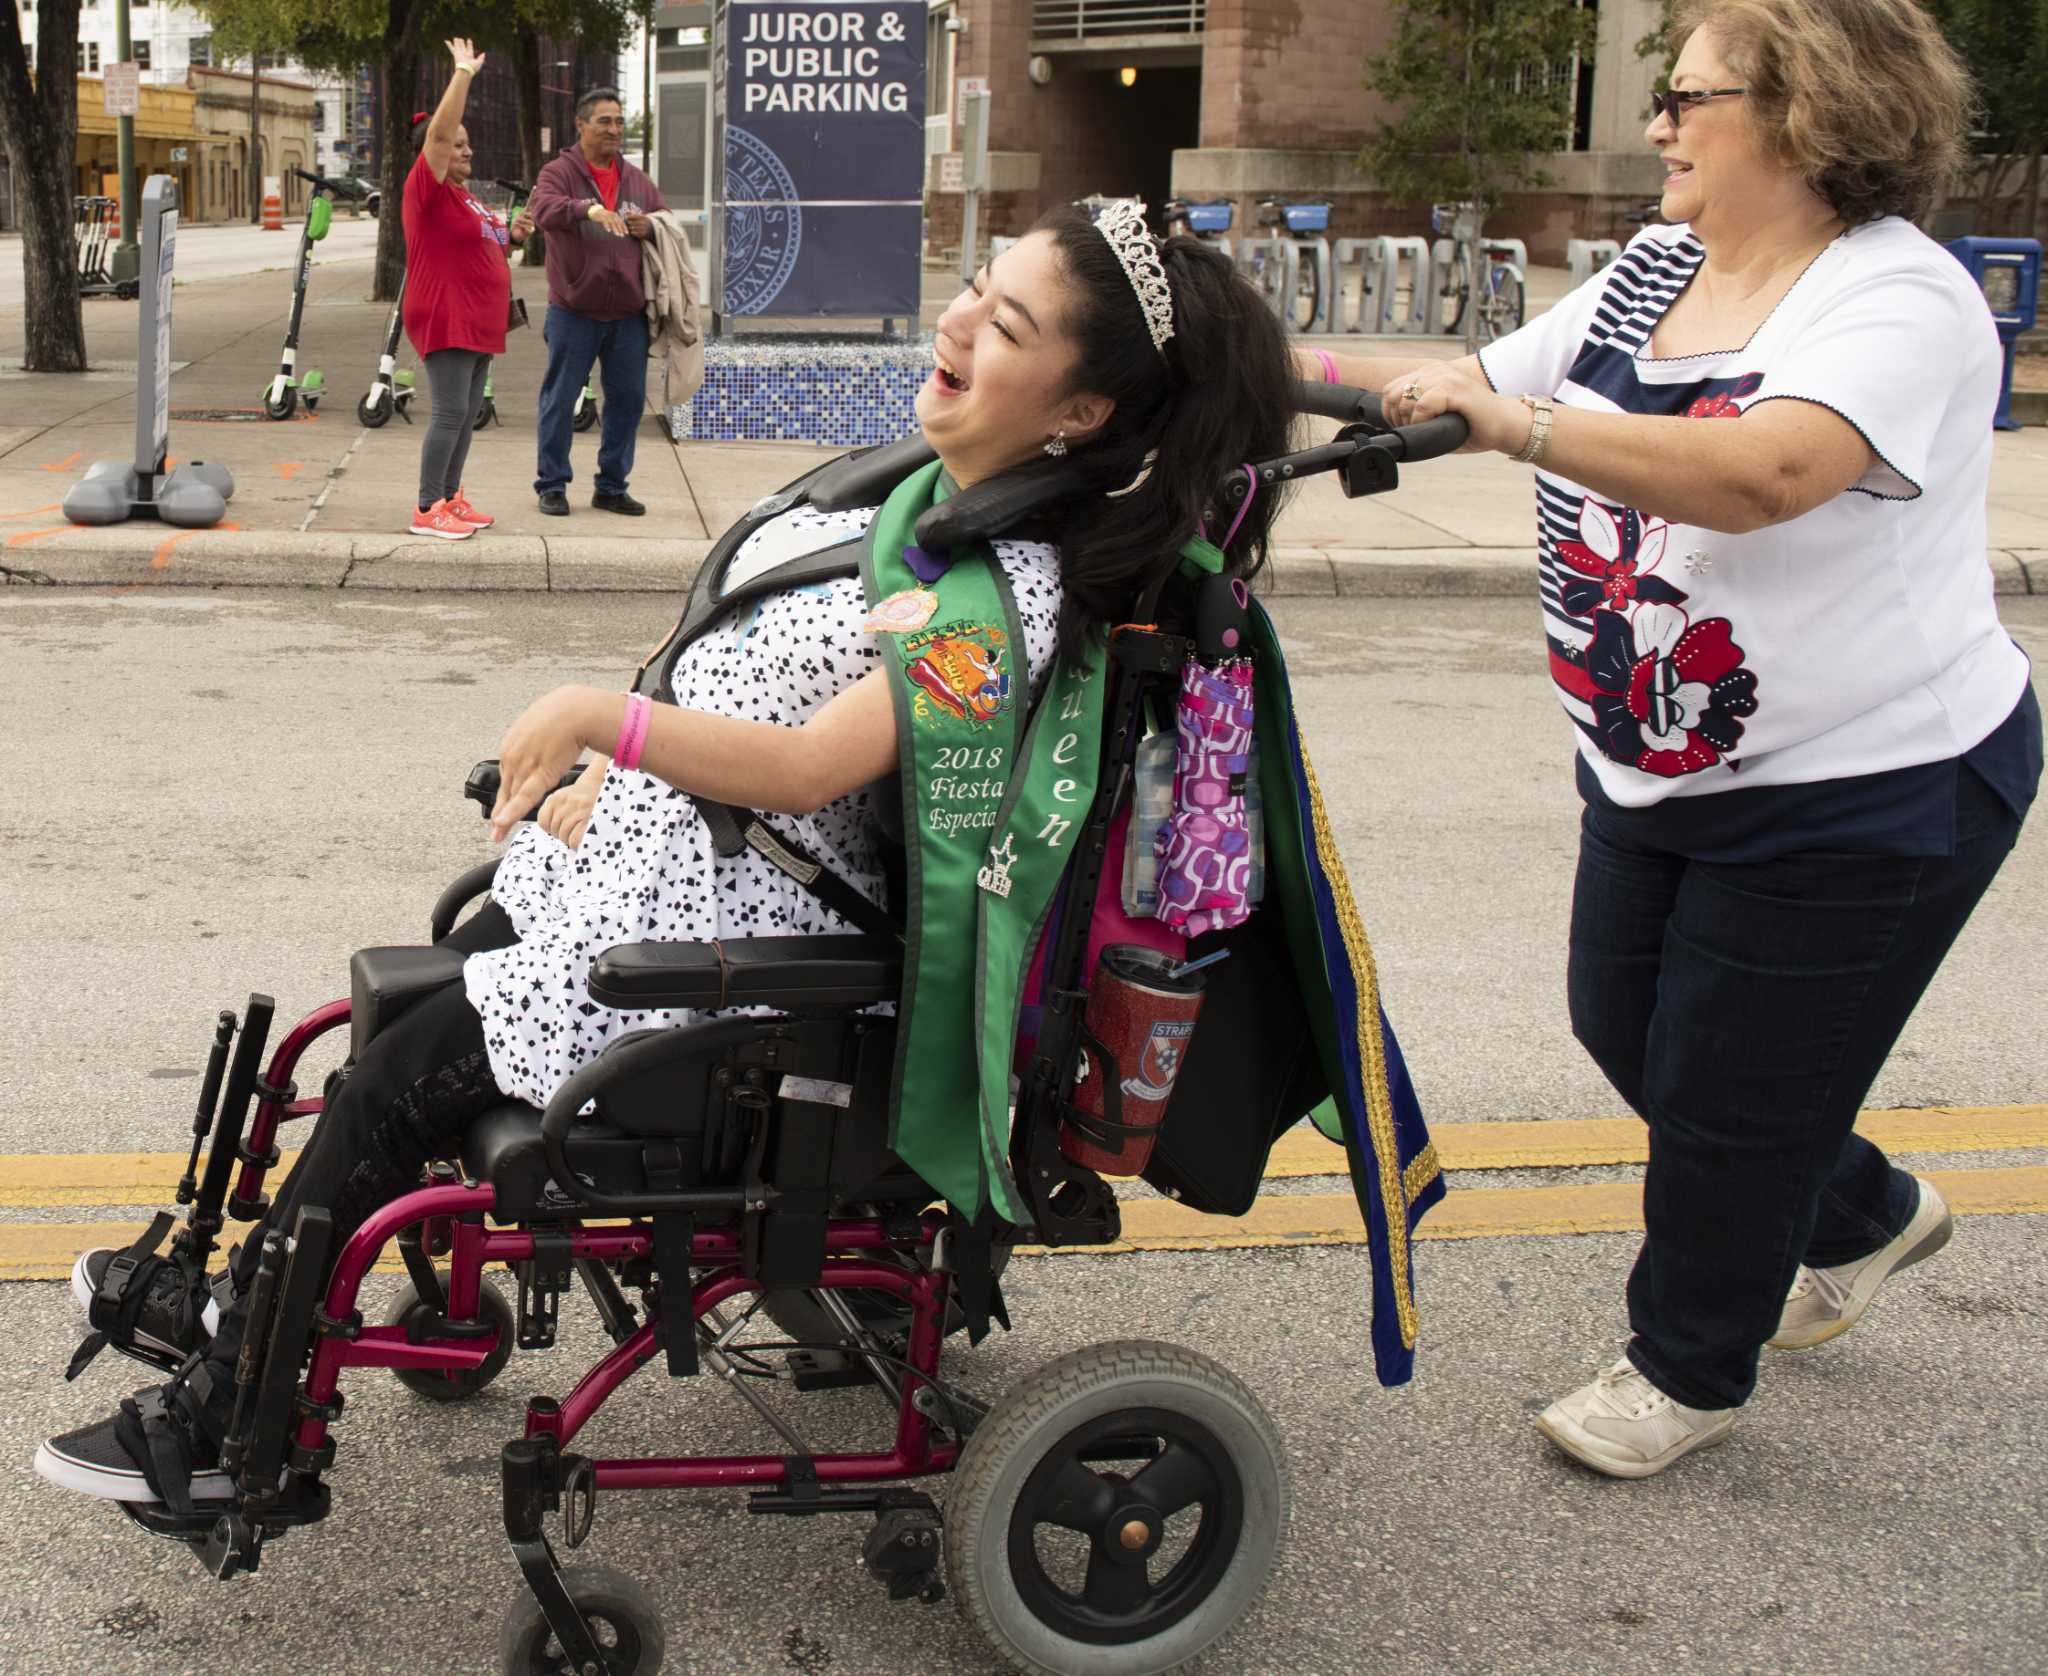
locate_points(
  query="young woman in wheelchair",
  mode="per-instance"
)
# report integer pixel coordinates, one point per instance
(1146, 372)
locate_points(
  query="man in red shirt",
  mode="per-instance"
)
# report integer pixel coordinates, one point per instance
(594, 206)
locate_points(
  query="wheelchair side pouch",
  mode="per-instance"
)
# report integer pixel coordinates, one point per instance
(1250, 1073)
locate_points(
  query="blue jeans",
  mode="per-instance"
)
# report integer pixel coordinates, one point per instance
(1743, 1010)
(575, 344)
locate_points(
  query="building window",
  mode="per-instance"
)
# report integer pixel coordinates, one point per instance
(319, 118)
(201, 51)
(141, 51)
(89, 57)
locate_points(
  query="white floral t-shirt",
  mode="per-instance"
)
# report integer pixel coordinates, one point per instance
(646, 869)
(1857, 638)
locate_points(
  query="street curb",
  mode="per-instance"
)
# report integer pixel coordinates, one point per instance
(130, 555)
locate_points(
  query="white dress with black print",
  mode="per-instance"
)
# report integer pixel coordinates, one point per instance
(646, 869)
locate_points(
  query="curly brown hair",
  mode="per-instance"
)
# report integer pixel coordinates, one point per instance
(1863, 97)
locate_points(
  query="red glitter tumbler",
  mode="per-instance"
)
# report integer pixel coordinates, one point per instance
(1138, 1025)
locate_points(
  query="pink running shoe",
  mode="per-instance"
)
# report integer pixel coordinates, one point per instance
(458, 503)
(443, 520)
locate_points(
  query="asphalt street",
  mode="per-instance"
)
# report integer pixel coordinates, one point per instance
(226, 250)
(209, 793)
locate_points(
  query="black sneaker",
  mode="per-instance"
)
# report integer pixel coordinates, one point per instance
(165, 1321)
(161, 1446)
(620, 502)
(554, 503)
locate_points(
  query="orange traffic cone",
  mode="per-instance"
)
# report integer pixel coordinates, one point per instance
(273, 213)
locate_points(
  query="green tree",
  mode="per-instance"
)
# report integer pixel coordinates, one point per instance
(1484, 90)
(2005, 43)
(398, 36)
(38, 125)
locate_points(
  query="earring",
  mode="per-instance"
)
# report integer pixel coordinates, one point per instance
(1057, 448)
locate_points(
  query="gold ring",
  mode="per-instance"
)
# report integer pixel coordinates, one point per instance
(1412, 392)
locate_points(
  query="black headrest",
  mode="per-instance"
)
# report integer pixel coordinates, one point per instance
(975, 514)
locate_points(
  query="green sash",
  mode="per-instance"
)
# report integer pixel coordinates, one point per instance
(985, 846)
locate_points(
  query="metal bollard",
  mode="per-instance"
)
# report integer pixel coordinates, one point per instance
(1586, 257)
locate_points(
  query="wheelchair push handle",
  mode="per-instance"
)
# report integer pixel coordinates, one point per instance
(1429, 440)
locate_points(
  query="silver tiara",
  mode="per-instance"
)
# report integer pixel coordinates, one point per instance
(1122, 223)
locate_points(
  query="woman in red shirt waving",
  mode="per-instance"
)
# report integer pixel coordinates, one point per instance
(458, 295)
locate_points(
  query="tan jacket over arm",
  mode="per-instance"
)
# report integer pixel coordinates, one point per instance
(674, 296)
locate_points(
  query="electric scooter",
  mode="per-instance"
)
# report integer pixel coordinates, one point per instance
(391, 391)
(286, 390)
(487, 409)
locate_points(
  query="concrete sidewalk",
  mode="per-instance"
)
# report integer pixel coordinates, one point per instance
(322, 502)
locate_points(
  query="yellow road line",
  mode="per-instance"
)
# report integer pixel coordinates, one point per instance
(1573, 1142)
(46, 1250)
(1596, 1208)
(34, 1179)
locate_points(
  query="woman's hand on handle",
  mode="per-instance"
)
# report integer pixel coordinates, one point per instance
(1499, 424)
(565, 815)
(539, 748)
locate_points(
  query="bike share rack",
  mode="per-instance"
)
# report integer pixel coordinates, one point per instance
(1586, 257)
(1375, 285)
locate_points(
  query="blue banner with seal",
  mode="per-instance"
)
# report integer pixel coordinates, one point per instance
(824, 157)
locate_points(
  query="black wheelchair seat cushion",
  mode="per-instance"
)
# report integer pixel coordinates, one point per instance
(795, 974)
(383, 983)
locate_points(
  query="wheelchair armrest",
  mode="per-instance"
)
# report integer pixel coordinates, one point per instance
(797, 974)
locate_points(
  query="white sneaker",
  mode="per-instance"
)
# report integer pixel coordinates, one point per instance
(1826, 1303)
(1624, 1426)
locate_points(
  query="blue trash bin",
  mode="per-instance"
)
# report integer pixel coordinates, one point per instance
(2008, 272)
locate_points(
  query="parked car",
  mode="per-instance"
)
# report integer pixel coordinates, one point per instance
(354, 189)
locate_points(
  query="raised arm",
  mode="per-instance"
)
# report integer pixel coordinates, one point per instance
(439, 150)
(757, 765)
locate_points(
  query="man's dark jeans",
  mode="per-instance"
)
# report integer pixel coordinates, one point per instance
(576, 343)
(1744, 1010)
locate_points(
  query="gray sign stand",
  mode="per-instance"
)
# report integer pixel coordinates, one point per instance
(195, 495)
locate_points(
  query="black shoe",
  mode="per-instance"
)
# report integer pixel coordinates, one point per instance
(554, 503)
(156, 1309)
(620, 502)
(160, 1446)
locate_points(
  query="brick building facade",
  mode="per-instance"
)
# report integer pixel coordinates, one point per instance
(1244, 99)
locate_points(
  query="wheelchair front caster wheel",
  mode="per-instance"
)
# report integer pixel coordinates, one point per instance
(1116, 1513)
(455, 1387)
(621, 1614)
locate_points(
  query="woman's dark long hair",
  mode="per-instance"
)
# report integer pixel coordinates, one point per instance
(1219, 396)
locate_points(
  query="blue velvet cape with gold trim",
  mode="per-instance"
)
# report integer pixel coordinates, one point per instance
(1394, 1167)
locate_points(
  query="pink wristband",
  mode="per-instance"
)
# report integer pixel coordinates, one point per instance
(1329, 365)
(632, 731)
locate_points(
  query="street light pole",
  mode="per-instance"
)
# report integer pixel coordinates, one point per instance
(127, 257)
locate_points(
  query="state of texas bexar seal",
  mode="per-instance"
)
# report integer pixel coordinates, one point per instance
(764, 224)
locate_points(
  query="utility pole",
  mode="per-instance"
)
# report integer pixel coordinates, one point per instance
(255, 137)
(646, 91)
(127, 258)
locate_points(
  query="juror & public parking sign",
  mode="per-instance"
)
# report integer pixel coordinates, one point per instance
(824, 157)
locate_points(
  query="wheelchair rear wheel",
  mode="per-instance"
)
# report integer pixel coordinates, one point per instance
(1116, 1513)
(455, 1387)
(621, 1614)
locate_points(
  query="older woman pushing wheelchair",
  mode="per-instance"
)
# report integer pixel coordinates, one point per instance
(1805, 743)
(1150, 368)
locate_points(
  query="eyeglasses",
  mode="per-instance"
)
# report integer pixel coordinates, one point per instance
(1671, 101)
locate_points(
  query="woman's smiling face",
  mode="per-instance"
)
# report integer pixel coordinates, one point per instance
(1003, 365)
(1712, 160)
